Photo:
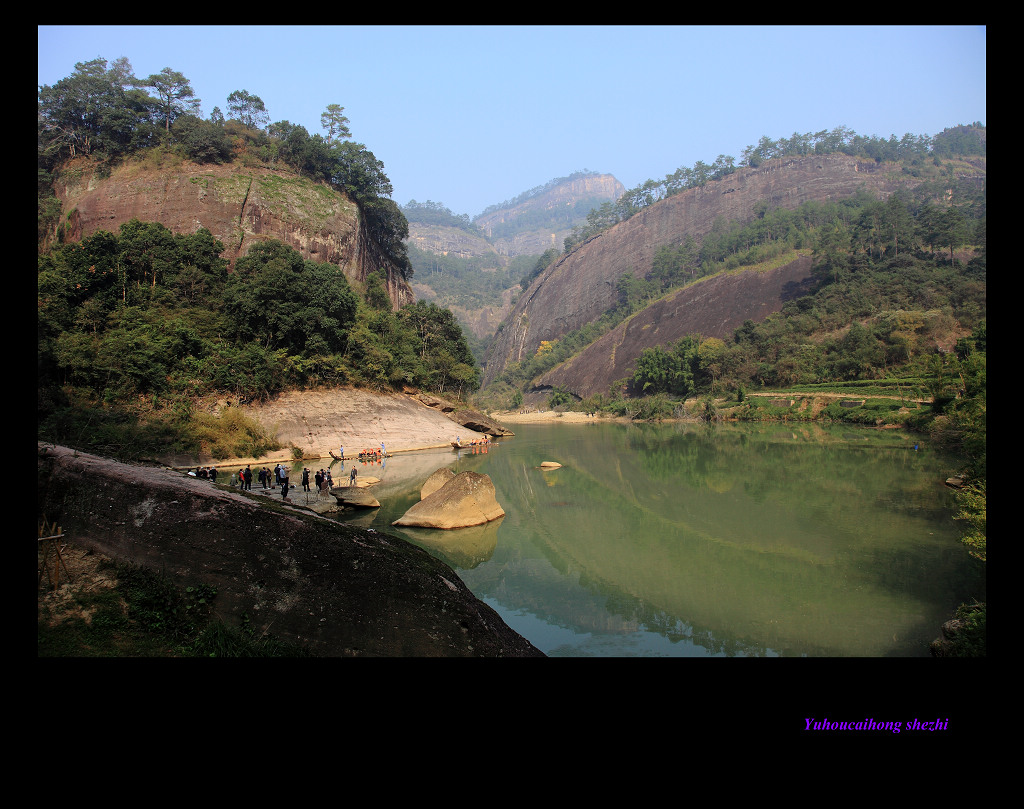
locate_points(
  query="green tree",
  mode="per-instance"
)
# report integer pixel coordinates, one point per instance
(377, 296)
(247, 108)
(279, 301)
(899, 223)
(94, 110)
(955, 230)
(333, 120)
(202, 141)
(147, 250)
(445, 358)
(175, 94)
(973, 510)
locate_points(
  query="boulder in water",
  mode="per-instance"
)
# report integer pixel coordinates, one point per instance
(436, 481)
(354, 496)
(467, 499)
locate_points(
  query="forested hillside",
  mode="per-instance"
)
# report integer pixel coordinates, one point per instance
(619, 255)
(898, 302)
(140, 330)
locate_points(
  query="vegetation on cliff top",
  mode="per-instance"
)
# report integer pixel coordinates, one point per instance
(108, 114)
(911, 153)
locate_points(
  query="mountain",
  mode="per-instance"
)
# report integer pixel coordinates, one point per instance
(582, 285)
(542, 220)
(479, 256)
(240, 205)
(712, 307)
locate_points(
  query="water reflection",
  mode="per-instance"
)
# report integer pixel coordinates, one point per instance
(681, 540)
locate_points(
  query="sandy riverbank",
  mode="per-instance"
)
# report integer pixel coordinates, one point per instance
(573, 417)
(310, 425)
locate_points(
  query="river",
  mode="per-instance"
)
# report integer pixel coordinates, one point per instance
(681, 540)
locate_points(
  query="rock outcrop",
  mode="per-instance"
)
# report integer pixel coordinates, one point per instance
(558, 209)
(337, 590)
(581, 286)
(712, 307)
(354, 497)
(239, 205)
(437, 480)
(470, 419)
(467, 499)
(444, 240)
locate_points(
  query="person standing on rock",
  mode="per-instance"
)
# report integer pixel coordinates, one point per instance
(247, 477)
(352, 477)
(305, 479)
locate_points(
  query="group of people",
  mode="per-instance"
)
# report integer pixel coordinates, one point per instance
(205, 472)
(476, 444)
(278, 476)
(322, 480)
(267, 478)
(369, 454)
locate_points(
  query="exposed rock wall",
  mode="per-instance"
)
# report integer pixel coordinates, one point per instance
(239, 205)
(337, 590)
(596, 188)
(443, 240)
(713, 307)
(580, 287)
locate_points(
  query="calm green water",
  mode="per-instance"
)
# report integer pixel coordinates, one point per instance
(686, 540)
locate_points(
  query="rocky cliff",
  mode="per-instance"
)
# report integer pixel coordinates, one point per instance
(713, 307)
(444, 240)
(337, 590)
(580, 287)
(238, 204)
(563, 206)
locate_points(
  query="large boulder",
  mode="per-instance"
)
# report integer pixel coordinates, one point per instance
(477, 421)
(467, 499)
(354, 496)
(470, 419)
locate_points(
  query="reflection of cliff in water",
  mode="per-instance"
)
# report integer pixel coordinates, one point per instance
(762, 538)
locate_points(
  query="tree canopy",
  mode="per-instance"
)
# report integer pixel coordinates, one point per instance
(107, 114)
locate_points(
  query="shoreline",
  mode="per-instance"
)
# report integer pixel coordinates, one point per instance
(570, 416)
(357, 418)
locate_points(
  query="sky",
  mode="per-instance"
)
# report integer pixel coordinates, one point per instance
(472, 116)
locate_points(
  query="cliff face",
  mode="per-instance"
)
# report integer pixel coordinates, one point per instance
(581, 286)
(444, 240)
(562, 197)
(239, 205)
(713, 307)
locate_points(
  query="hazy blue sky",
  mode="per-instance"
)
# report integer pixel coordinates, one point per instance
(471, 116)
